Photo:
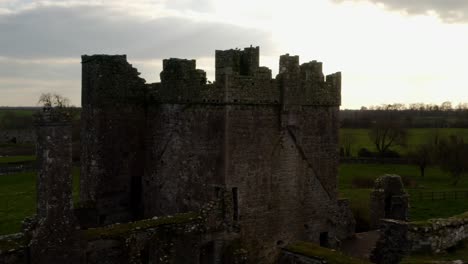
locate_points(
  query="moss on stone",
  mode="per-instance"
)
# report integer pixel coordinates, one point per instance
(235, 251)
(314, 251)
(12, 242)
(118, 231)
(429, 223)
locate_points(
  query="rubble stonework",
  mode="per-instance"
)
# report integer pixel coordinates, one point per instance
(346, 224)
(388, 200)
(399, 238)
(53, 237)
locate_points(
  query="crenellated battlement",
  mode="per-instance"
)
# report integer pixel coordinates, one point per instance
(182, 70)
(239, 80)
(238, 62)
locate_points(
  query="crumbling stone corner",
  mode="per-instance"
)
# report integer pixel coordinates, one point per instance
(393, 244)
(388, 200)
(53, 237)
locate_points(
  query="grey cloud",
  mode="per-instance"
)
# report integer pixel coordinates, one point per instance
(21, 82)
(39, 70)
(72, 31)
(448, 10)
(203, 6)
(16, 92)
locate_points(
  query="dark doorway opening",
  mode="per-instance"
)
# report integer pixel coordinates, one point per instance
(207, 253)
(135, 197)
(144, 255)
(235, 204)
(324, 239)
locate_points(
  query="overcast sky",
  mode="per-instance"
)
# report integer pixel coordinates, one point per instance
(388, 50)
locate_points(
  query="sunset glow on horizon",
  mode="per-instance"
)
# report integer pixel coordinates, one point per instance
(388, 52)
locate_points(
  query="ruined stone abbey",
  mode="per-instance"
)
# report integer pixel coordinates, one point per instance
(243, 166)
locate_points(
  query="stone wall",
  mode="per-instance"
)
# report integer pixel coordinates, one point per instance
(112, 137)
(184, 157)
(53, 229)
(13, 249)
(193, 237)
(346, 224)
(399, 238)
(173, 239)
(275, 170)
(280, 194)
(388, 200)
(438, 234)
(308, 253)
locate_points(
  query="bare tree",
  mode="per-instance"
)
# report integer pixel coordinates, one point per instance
(425, 154)
(446, 106)
(347, 140)
(385, 134)
(422, 155)
(54, 100)
(453, 157)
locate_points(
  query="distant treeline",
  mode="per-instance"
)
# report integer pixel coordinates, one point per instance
(21, 118)
(416, 115)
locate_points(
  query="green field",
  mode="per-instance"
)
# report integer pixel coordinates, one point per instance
(458, 253)
(416, 136)
(18, 112)
(17, 159)
(18, 198)
(435, 180)
(18, 195)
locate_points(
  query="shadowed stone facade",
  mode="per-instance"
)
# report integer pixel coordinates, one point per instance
(165, 148)
(53, 230)
(388, 200)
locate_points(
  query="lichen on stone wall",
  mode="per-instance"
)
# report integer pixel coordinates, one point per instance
(121, 231)
(399, 238)
(320, 254)
(13, 242)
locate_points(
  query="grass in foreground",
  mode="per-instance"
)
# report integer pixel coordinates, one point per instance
(331, 256)
(458, 253)
(122, 230)
(18, 199)
(17, 159)
(435, 180)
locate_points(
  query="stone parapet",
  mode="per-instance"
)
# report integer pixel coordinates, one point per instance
(399, 238)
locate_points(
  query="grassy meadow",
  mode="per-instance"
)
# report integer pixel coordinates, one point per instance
(18, 192)
(18, 112)
(416, 136)
(460, 252)
(356, 180)
(18, 198)
(17, 159)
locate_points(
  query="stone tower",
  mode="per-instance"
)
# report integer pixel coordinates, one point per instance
(170, 147)
(53, 238)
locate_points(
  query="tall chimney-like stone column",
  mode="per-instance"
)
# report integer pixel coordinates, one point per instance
(54, 238)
